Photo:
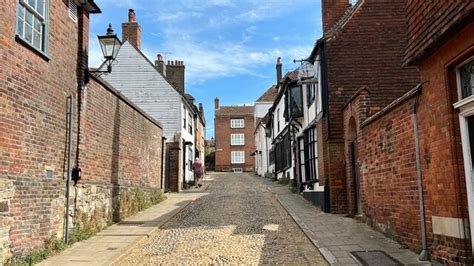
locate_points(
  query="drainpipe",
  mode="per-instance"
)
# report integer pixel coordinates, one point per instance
(424, 253)
(163, 140)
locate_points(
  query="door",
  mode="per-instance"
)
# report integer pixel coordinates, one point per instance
(355, 179)
(465, 105)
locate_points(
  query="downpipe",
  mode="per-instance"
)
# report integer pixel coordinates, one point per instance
(423, 256)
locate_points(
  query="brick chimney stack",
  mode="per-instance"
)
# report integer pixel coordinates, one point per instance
(216, 103)
(333, 10)
(175, 74)
(278, 70)
(160, 64)
(201, 109)
(131, 30)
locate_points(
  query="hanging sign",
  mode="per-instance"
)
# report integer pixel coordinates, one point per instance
(306, 71)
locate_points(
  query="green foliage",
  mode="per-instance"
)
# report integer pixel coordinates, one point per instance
(268, 175)
(284, 181)
(82, 230)
(293, 189)
(157, 196)
(53, 245)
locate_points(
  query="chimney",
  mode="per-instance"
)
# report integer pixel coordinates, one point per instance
(175, 74)
(216, 103)
(131, 30)
(160, 64)
(278, 70)
(201, 109)
(333, 10)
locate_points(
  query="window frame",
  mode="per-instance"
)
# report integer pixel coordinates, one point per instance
(311, 155)
(310, 97)
(232, 157)
(233, 139)
(43, 50)
(234, 124)
(190, 123)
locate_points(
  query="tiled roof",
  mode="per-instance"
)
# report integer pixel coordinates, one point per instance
(235, 110)
(292, 75)
(269, 95)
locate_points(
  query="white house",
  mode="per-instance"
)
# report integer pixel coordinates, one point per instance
(159, 91)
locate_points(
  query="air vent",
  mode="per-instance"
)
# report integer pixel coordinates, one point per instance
(73, 10)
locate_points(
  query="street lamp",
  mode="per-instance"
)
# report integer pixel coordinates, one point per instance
(110, 44)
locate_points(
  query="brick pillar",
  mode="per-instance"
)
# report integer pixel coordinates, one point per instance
(173, 169)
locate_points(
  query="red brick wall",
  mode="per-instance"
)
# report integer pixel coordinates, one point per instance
(333, 10)
(387, 172)
(440, 140)
(431, 23)
(387, 165)
(367, 51)
(120, 150)
(223, 147)
(33, 95)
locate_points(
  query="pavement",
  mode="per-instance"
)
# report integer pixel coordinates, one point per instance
(337, 235)
(110, 244)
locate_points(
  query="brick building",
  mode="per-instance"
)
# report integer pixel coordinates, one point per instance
(362, 47)
(43, 65)
(234, 139)
(415, 151)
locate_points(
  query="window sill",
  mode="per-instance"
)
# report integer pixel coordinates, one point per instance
(32, 48)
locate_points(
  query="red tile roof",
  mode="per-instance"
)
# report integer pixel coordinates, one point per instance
(269, 95)
(235, 110)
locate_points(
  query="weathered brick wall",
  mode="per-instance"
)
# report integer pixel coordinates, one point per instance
(223, 147)
(387, 173)
(431, 23)
(440, 143)
(121, 151)
(33, 94)
(368, 51)
(174, 173)
(387, 162)
(365, 51)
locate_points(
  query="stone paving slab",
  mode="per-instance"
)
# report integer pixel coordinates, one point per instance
(336, 235)
(109, 244)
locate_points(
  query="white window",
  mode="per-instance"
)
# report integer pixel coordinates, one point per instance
(31, 21)
(465, 105)
(73, 10)
(237, 139)
(237, 157)
(237, 123)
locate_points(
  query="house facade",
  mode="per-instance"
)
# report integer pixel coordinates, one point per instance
(262, 138)
(234, 139)
(159, 89)
(47, 106)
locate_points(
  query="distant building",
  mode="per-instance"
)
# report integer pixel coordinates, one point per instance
(235, 142)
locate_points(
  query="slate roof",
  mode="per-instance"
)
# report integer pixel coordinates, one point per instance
(235, 110)
(269, 95)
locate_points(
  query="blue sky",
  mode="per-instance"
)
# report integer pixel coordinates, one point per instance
(229, 47)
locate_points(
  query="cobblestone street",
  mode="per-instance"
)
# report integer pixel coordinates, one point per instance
(237, 222)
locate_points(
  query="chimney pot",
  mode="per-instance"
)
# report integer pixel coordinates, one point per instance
(160, 57)
(278, 70)
(131, 15)
(216, 103)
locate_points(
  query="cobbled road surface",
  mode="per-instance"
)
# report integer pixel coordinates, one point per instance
(236, 221)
